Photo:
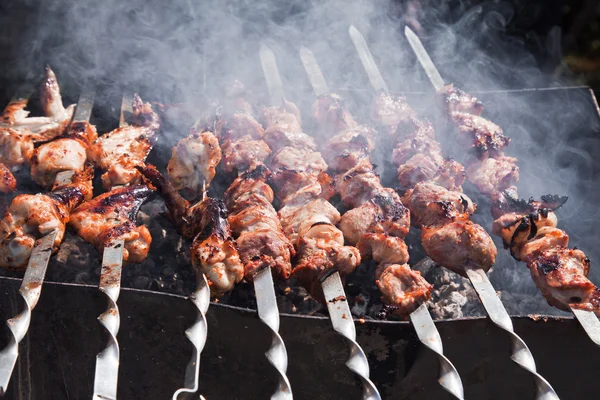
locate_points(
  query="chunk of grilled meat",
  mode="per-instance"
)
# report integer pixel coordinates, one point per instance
(403, 288)
(493, 176)
(8, 183)
(561, 276)
(457, 100)
(29, 217)
(111, 216)
(242, 143)
(193, 162)
(120, 151)
(391, 112)
(432, 205)
(214, 251)
(307, 218)
(52, 101)
(68, 152)
(255, 224)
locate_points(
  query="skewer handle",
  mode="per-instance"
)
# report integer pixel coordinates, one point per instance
(497, 313)
(341, 318)
(107, 361)
(269, 314)
(30, 291)
(196, 334)
(430, 337)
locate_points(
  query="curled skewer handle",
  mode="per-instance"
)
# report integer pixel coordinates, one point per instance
(196, 334)
(30, 291)
(430, 337)
(341, 318)
(269, 314)
(497, 313)
(107, 361)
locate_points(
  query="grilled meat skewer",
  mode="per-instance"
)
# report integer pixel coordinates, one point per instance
(433, 190)
(376, 221)
(528, 229)
(308, 219)
(255, 223)
(213, 249)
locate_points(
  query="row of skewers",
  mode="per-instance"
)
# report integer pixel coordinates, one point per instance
(242, 236)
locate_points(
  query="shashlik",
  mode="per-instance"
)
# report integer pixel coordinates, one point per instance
(377, 221)
(31, 216)
(120, 151)
(433, 191)
(213, 249)
(308, 219)
(527, 228)
(254, 222)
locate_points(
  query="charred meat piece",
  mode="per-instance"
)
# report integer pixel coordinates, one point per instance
(8, 183)
(403, 287)
(459, 243)
(214, 251)
(120, 151)
(493, 176)
(255, 224)
(110, 217)
(432, 205)
(193, 162)
(245, 153)
(457, 100)
(561, 276)
(331, 115)
(68, 152)
(391, 112)
(29, 217)
(485, 137)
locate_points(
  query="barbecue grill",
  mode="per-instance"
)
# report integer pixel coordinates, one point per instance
(57, 355)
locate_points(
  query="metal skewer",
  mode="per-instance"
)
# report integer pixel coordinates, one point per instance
(333, 289)
(197, 333)
(420, 318)
(31, 286)
(107, 361)
(479, 279)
